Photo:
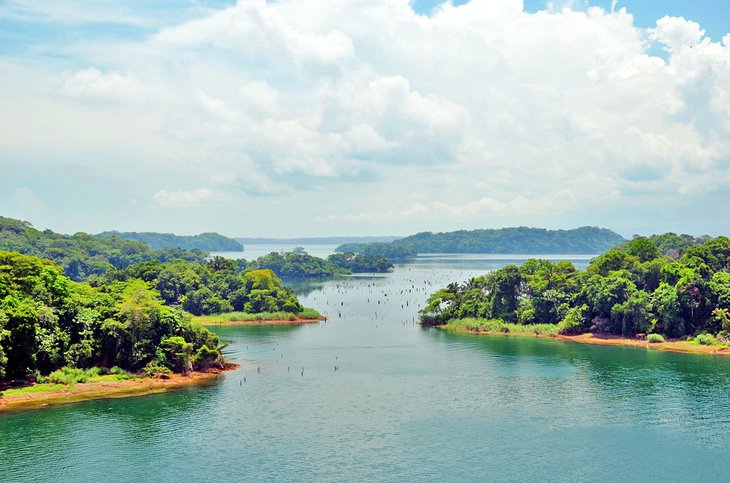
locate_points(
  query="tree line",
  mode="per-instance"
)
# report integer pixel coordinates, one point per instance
(630, 290)
(504, 240)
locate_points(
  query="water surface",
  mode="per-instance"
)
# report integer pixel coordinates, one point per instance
(403, 404)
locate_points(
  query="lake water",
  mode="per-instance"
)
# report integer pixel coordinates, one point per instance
(404, 404)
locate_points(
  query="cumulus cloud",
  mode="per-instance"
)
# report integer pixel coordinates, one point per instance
(475, 111)
(184, 199)
(92, 83)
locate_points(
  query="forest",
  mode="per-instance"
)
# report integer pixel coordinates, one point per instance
(298, 264)
(503, 240)
(48, 322)
(630, 290)
(207, 242)
(81, 255)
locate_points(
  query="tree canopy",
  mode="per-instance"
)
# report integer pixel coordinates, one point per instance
(208, 242)
(81, 255)
(625, 292)
(504, 240)
(48, 321)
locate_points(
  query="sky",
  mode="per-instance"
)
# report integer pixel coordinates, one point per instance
(365, 117)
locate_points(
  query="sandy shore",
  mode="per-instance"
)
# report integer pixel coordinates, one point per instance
(141, 386)
(613, 340)
(261, 322)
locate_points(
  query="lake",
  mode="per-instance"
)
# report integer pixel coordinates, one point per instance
(371, 396)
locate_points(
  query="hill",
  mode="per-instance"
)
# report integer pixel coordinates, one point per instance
(82, 255)
(209, 242)
(504, 240)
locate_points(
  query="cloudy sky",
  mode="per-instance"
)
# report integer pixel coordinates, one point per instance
(365, 117)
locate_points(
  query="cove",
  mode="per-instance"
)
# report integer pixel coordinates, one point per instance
(404, 404)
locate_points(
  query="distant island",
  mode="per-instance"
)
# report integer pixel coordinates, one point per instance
(326, 240)
(209, 242)
(299, 264)
(583, 240)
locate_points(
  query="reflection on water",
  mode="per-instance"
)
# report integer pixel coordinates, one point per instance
(369, 395)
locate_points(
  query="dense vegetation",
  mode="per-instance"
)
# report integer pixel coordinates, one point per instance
(391, 251)
(209, 242)
(299, 264)
(83, 256)
(48, 322)
(514, 240)
(621, 292)
(670, 244)
(361, 263)
(216, 286)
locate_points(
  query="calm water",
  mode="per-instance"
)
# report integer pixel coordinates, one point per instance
(405, 404)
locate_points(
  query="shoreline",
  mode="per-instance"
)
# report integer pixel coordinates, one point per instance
(142, 386)
(297, 321)
(670, 345)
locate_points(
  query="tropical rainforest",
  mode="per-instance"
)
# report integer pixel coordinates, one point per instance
(81, 255)
(504, 240)
(629, 290)
(209, 242)
(299, 264)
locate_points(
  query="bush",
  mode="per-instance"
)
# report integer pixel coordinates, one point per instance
(655, 338)
(154, 369)
(705, 339)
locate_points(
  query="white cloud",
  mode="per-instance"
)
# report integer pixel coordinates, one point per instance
(184, 199)
(477, 111)
(677, 33)
(94, 84)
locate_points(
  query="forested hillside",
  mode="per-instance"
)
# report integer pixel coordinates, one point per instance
(82, 255)
(504, 240)
(209, 242)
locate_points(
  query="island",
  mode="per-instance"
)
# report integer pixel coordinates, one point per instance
(631, 295)
(586, 239)
(128, 331)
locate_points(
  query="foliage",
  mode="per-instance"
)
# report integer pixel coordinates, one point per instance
(49, 323)
(83, 256)
(390, 251)
(655, 338)
(208, 242)
(212, 287)
(492, 325)
(295, 265)
(622, 292)
(360, 262)
(505, 240)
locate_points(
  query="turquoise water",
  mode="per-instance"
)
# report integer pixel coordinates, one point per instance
(404, 404)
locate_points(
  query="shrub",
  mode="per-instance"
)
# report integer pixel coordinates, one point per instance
(154, 369)
(655, 338)
(705, 339)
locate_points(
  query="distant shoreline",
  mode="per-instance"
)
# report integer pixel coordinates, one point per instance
(139, 386)
(612, 340)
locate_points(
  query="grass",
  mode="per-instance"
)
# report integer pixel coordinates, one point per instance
(309, 314)
(491, 325)
(68, 377)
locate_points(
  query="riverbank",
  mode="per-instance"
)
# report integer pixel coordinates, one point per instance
(261, 322)
(671, 345)
(44, 395)
(308, 316)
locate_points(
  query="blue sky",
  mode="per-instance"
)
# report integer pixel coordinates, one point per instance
(303, 117)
